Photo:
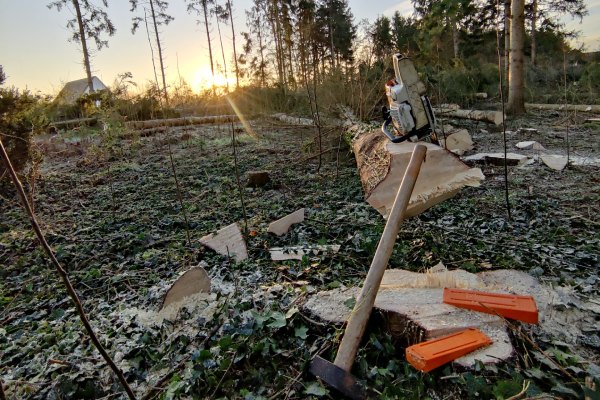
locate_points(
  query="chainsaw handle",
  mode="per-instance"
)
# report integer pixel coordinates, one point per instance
(393, 138)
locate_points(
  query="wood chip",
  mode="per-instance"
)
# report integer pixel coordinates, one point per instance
(282, 226)
(496, 158)
(530, 145)
(227, 241)
(194, 280)
(555, 162)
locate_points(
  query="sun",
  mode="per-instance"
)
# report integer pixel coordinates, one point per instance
(203, 80)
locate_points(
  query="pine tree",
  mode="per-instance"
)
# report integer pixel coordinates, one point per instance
(90, 22)
(201, 8)
(381, 35)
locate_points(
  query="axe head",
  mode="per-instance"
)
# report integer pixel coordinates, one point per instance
(336, 377)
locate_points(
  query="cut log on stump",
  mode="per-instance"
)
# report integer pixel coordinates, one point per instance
(282, 226)
(381, 165)
(194, 280)
(227, 241)
(493, 117)
(154, 123)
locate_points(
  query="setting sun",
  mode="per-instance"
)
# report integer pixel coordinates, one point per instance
(202, 80)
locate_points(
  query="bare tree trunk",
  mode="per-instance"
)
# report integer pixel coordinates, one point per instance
(516, 83)
(507, 39)
(262, 57)
(160, 56)
(212, 65)
(533, 31)
(223, 54)
(455, 38)
(151, 50)
(237, 70)
(84, 49)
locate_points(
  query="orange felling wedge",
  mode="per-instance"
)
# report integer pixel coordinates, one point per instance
(521, 308)
(434, 353)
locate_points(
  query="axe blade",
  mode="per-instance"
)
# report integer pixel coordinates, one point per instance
(336, 377)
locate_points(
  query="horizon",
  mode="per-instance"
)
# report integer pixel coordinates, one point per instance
(186, 49)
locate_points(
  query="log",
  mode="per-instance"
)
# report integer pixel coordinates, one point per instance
(493, 117)
(381, 165)
(512, 159)
(72, 123)
(298, 252)
(169, 122)
(594, 108)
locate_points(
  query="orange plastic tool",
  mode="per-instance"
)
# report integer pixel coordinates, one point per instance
(434, 353)
(521, 308)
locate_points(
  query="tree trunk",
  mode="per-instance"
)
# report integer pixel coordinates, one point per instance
(212, 65)
(506, 39)
(516, 83)
(160, 56)
(491, 116)
(185, 121)
(533, 31)
(84, 49)
(151, 49)
(223, 54)
(455, 39)
(237, 70)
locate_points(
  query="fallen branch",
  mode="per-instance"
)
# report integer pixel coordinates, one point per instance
(63, 274)
(155, 123)
(72, 123)
(490, 116)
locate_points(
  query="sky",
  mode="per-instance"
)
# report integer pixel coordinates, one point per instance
(36, 53)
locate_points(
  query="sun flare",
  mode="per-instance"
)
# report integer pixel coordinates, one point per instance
(203, 80)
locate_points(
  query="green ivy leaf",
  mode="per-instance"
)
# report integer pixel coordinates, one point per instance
(301, 332)
(316, 389)
(277, 320)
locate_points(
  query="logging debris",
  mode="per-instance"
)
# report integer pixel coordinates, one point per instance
(530, 145)
(195, 280)
(227, 241)
(555, 162)
(298, 252)
(282, 225)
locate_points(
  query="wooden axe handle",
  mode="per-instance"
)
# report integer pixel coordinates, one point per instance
(364, 304)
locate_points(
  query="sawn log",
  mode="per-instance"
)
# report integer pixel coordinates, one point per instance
(154, 123)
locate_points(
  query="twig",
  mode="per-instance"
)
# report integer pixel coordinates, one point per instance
(526, 384)
(237, 177)
(63, 274)
(187, 223)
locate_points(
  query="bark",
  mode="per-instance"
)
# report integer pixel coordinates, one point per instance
(493, 117)
(156, 123)
(84, 48)
(516, 82)
(160, 56)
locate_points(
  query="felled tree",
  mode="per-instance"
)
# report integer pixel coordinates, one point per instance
(90, 22)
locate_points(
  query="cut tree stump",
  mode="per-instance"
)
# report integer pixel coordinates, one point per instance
(155, 123)
(258, 178)
(490, 116)
(282, 226)
(227, 241)
(413, 308)
(381, 165)
(194, 280)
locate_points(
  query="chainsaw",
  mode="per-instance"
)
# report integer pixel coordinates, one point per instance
(410, 115)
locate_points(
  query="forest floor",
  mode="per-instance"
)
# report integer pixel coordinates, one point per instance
(109, 207)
